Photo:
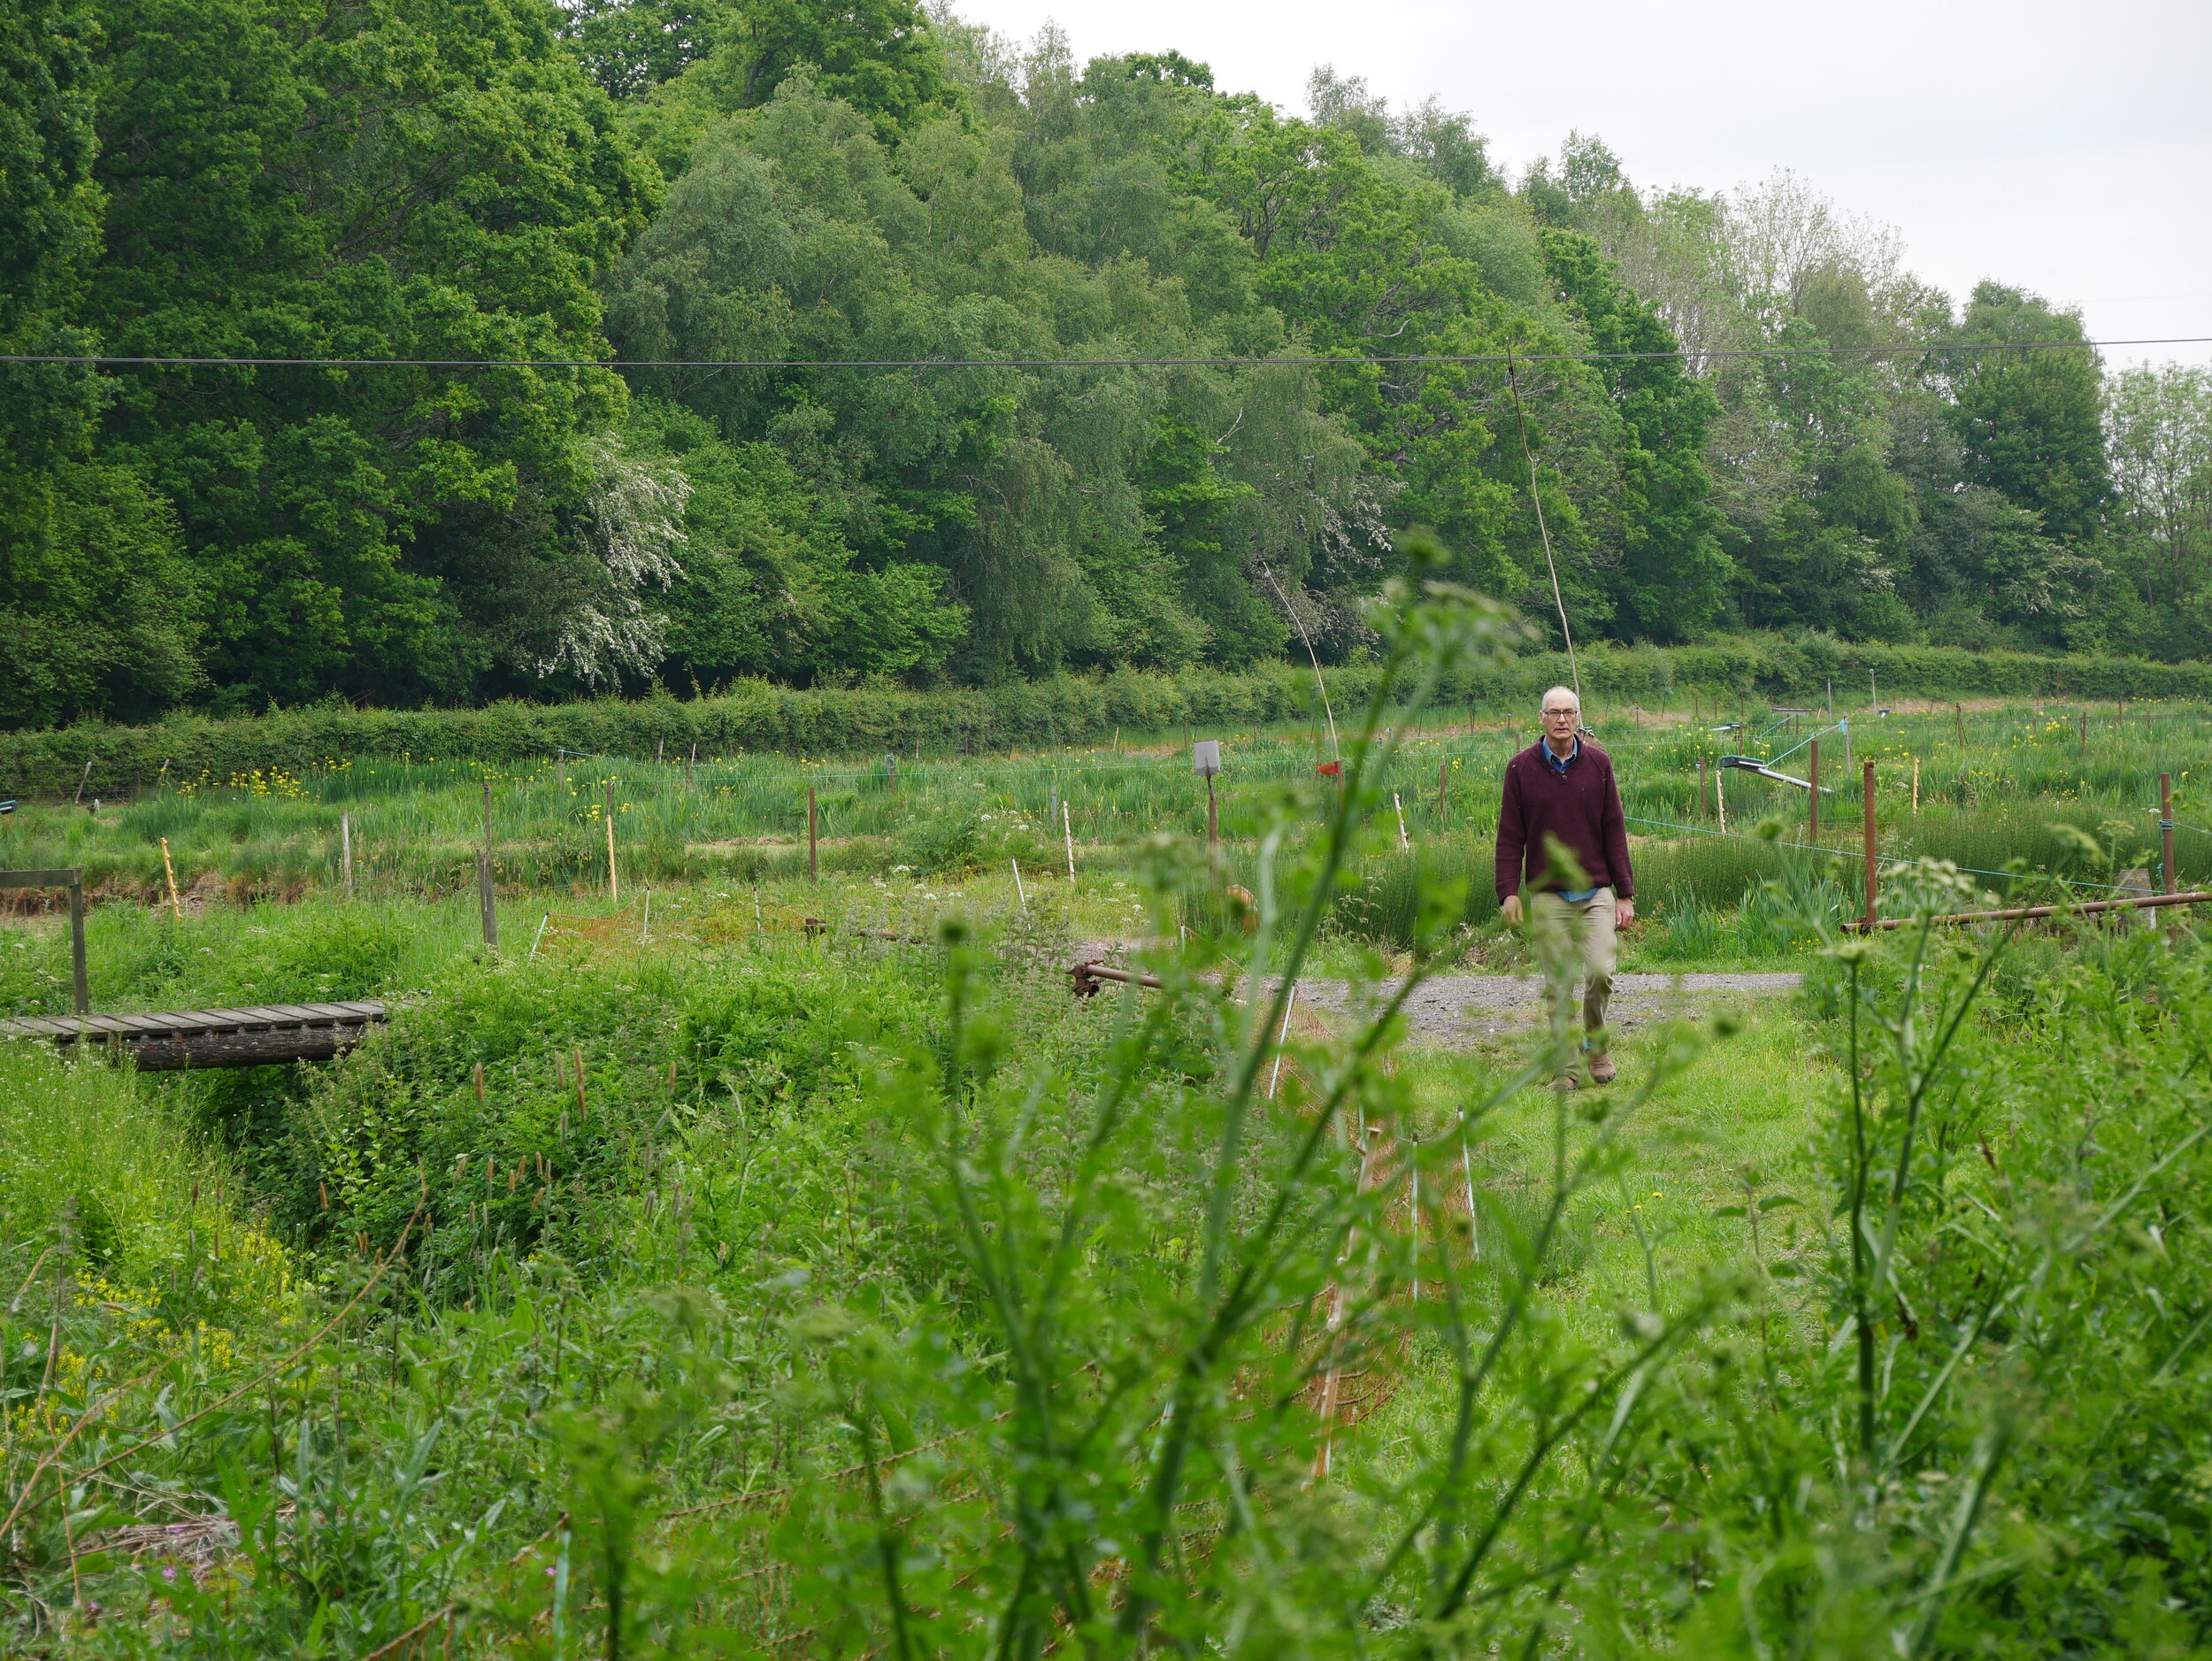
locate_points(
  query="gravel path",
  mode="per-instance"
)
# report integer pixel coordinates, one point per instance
(1461, 1009)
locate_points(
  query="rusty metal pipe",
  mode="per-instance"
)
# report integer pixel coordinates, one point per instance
(2196, 897)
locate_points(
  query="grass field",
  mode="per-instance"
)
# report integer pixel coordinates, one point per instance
(704, 1285)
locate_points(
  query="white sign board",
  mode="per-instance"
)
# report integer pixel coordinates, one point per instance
(1205, 758)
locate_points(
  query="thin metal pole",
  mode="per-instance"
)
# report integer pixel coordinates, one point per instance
(813, 835)
(2166, 832)
(1868, 797)
(1812, 770)
(83, 985)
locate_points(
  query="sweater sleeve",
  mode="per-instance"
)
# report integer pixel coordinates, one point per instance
(1613, 828)
(1512, 835)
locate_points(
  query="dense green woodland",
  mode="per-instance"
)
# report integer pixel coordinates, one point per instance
(661, 180)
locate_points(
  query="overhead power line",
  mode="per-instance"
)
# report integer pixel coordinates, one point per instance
(1921, 348)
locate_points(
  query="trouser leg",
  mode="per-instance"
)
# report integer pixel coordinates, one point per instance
(1600, 949)
(1551, 931)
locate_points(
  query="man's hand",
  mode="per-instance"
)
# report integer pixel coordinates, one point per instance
(1512, 910)
(1623, 913)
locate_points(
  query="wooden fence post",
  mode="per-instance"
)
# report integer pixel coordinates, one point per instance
(484, 895)
(1869, 797)
(2166, 832)
(813, 863)
(345, 849)
(1812, 814)
(1704, 803)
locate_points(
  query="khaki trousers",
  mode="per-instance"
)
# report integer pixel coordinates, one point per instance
(1572, 934)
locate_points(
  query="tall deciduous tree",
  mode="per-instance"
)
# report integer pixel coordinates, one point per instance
(2032, 421)
(429, 179)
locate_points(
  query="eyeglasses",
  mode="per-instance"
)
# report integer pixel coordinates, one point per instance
(1561, 715)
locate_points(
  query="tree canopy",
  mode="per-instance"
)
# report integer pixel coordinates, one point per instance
(721, 192)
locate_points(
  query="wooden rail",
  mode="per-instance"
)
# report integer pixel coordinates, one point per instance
(176, 1039)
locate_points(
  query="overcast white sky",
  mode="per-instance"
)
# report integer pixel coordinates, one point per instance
(2063, 147)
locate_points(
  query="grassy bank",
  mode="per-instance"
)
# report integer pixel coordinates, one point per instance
(755, 717)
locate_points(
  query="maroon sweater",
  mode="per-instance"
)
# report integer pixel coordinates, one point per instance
(1583, 810)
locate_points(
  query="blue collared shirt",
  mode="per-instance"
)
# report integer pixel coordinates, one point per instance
(1559, 765)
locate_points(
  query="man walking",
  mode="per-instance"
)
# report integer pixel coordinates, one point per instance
(1560, 792)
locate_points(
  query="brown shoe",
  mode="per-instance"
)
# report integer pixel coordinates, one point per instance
(1568, 1081)
(1602, 1070)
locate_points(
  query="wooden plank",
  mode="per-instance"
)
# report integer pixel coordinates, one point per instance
(36, 1025)
(64, 879)
(265, 1015)
(305, 1012)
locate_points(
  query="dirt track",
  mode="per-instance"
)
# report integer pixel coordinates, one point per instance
(1465, 1008)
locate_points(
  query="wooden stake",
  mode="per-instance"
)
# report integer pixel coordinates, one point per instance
(614, 881)
(1868, 793)
(1067, 829)
(1916, 787)
(169, 874)
(2084, 734)
(1959, 710)
(345, 850)
(1704, 802)
(813, 833)
(1443, 774)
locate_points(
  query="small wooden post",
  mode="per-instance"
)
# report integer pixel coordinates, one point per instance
(1443, 774)
(1916, 787)
(1812, 812)
(1704, 803)
(2084, 734)
(614, 881)
(484, 895)
(1868, 793)
(560, 771)
(891, 768)
(169, 875)
(813, 838)
(1959, 710)
(2166, 832)
(82, 984)
(345, 850)
(1067, 829)
(1213, 818)
(692, 763)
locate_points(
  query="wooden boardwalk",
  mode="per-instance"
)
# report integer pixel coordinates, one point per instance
(211, 1038)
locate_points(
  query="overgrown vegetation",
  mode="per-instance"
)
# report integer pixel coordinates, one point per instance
(760, 1292)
